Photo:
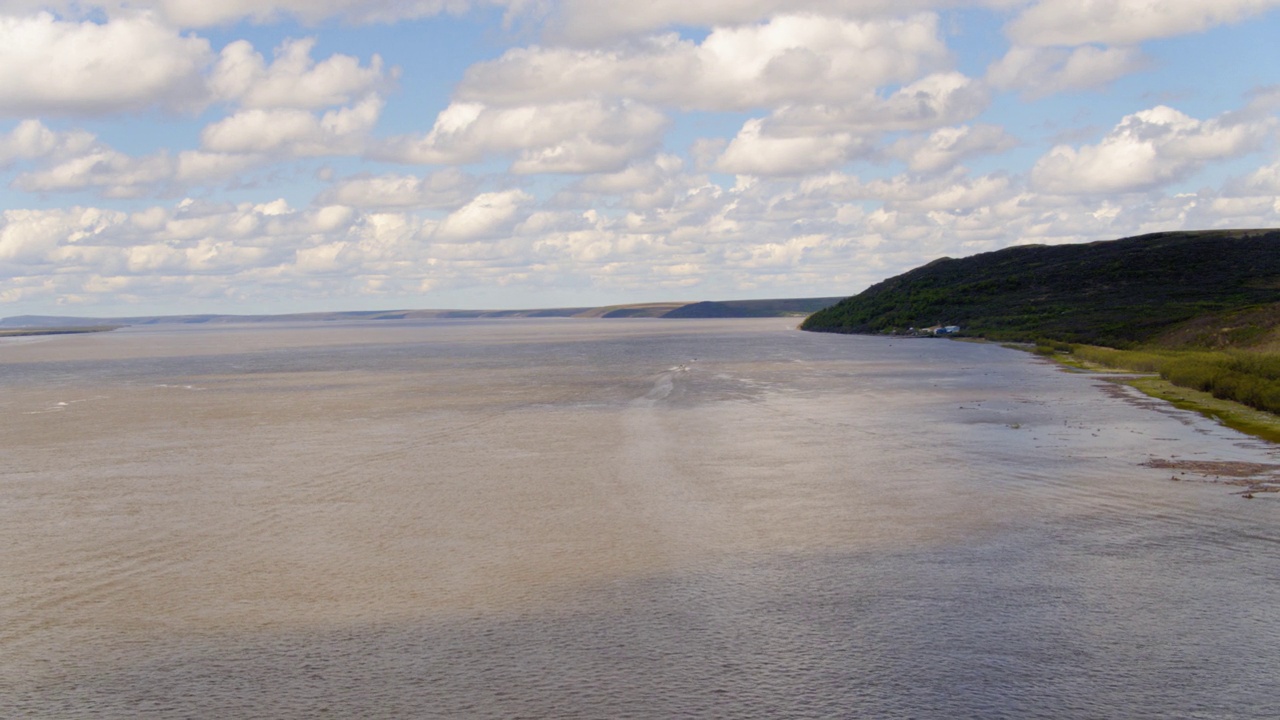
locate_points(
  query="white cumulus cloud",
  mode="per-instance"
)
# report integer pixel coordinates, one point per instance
(489, 215)
(1125, 22)
(293, 132)
(53, 66)
(1265, 181)
(755, 152)
(572, 137)
(596, 21)
(1146, 150)
(33, 236)
(293, 79)
(645, 184)
(122, 175)
(77, 160)
(447, 188)
(1039, 71)
(208, 13)
(801, 139)
(946, 147)
(788, 59)
(932, 101)
(32, 140)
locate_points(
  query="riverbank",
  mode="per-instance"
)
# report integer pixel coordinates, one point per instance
(1234, 415)
(1144, 371)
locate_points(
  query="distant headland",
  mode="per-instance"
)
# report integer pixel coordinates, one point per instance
(62, 330)
(1194, 317)
(1206, 289)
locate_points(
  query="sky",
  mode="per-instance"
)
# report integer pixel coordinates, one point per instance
(272, 156)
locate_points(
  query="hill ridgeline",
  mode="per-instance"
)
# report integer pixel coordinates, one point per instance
(1196, 289)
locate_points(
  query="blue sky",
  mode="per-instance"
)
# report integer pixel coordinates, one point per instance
(291, 155)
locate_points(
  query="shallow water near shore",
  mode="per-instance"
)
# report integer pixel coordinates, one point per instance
(614, 519)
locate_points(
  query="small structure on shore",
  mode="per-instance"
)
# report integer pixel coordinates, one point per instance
(934, 331)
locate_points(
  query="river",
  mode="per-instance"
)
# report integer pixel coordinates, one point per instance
(559, 518)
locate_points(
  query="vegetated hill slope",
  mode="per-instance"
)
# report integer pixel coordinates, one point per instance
(1117, 293)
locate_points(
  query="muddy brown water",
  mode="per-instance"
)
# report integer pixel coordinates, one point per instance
(613, 519)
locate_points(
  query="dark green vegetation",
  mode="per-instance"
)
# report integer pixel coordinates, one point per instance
(787, 307)
(1199, 309)
(1198, 289)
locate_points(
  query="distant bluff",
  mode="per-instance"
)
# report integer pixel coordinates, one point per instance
(1194, 288)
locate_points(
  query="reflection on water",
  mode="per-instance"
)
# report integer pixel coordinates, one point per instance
(612, 519)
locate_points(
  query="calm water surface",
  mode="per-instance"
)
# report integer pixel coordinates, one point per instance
(613, 519)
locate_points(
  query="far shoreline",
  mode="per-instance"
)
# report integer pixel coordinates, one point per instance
(31, 332)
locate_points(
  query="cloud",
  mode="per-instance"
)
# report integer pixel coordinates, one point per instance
(1146, 150)
(197, 166)
(116, 175)
(203, 13)
(789, 59)
(755, 152)
(1265, 181)
(952, 191)
(637, 176)
(121, 175)
(51, 66)
(1039, 71)
(798, 139)
(646, 184)
(809, 90)
(932, 101)
(76, 160)
(293, 79)
(199, 13)
(1080, 22)
(32, 140)
(572, 137)
(31, 236)
(104, 251)
(445, 189)
(946, 147)
(487, 216)
(204, 256)
(835, 231)
(291, 132)
(596, 21)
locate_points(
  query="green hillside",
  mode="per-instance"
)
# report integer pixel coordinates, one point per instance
(1207, 289)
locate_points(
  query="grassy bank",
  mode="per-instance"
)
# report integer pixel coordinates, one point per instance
(1240, 389)
(1232, 414)
(1248, 378)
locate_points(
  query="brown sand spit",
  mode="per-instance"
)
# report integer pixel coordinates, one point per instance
(1254, 477)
